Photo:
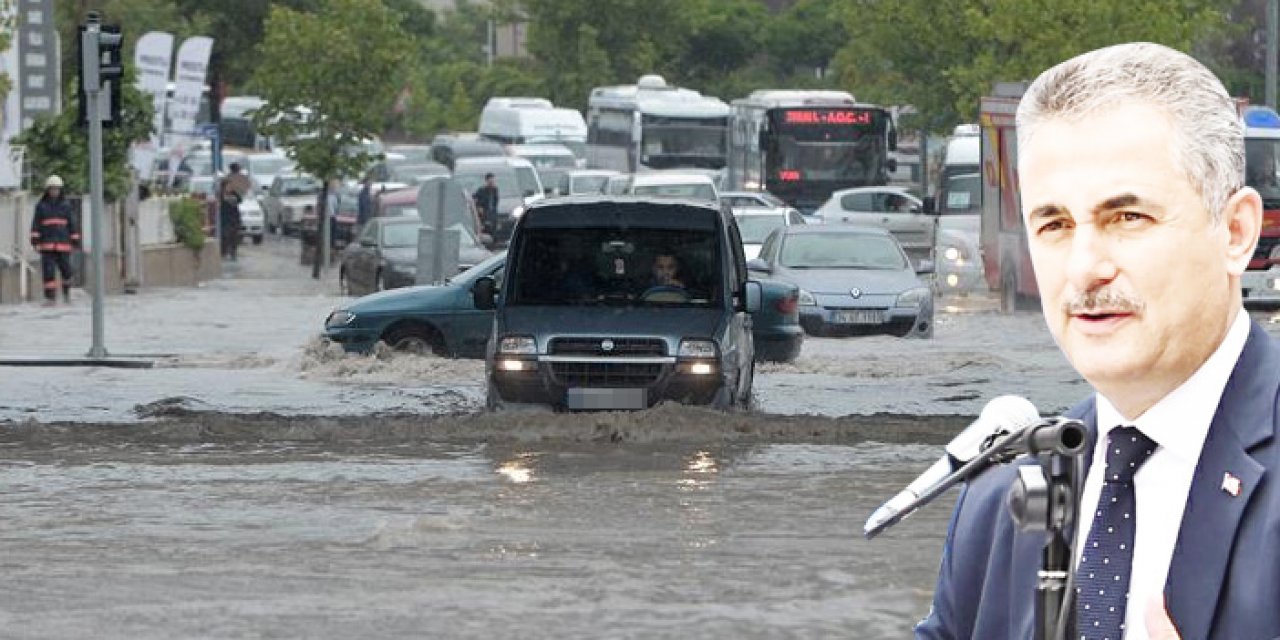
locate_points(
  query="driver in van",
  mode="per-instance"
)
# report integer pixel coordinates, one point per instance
(666, 271)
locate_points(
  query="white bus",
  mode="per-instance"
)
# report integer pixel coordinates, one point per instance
(515, 120)
(650, 125)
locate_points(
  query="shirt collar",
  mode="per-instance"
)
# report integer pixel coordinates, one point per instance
(1180, 421)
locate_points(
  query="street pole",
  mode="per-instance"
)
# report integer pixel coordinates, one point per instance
(91, 59)
(1273, 25)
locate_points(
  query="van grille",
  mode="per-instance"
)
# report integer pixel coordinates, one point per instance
(595, 347)
(605, 374)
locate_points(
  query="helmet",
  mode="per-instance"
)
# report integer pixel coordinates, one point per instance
(53, 181)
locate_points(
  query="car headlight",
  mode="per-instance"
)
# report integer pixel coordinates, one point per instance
(518, 345)
(951, 253)
(697, 349)
(339, 318)
(807, 299)
(913, 297)
(518, 211)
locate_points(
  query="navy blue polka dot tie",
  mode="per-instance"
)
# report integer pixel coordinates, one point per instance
(1102, 578)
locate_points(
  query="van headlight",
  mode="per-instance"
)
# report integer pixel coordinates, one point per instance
(913, 297)
(518, 211)
(952, 254)
(807, 299)
(518, 345)
(697, 349)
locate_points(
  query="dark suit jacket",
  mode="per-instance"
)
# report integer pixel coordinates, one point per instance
(1224, 577)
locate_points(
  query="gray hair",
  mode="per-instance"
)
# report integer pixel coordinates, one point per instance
(1208, 142)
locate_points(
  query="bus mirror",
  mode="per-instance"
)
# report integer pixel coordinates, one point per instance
(893, 139)
(892, 165)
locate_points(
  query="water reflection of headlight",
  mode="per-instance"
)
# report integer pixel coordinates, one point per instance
(517, 470)
(702, 462)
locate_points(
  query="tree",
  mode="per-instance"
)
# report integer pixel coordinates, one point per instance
(342, 65)
(808, 34)
(941, 56)
(722, 37)
(59, 145)
(329, 79)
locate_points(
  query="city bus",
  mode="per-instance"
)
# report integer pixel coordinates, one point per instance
(650, 125)
(803, 145)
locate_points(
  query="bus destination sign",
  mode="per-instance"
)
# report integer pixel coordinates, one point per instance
(827, 116)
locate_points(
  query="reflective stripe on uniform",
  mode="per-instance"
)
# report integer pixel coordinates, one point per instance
(54, 222)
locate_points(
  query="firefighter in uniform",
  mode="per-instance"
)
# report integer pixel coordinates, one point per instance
(55, 234)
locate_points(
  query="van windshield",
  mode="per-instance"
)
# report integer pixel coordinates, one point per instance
(617, 267)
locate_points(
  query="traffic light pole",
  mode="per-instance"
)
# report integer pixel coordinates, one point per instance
(91, 60)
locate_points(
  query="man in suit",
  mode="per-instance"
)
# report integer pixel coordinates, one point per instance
(1131, 170)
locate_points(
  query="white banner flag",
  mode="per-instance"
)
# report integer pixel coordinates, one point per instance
(188, 87)
(153, 57)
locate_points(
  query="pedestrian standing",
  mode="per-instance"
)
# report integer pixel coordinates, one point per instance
(55, 233)
(486, 198)
(233, 190)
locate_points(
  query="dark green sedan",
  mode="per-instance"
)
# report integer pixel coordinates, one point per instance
(443, 320)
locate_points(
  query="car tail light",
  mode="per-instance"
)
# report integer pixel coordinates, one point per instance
(788, 305)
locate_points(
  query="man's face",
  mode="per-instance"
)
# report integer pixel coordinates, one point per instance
(1134, 277)
(55, 192)
(491, 181)
(664, 269)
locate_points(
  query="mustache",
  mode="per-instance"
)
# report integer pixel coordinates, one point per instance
(1105, 300)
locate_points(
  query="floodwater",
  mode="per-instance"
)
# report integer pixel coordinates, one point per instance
(113, 538)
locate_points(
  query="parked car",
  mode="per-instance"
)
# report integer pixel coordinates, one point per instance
(583, 181)
(891, 208)
(444, 320)
(262, 169)
(290, 196)
(251, 220)
(621, 303)
(690, 186)
(853, 280)
(385, 256)
(756, 224)
(413, 154)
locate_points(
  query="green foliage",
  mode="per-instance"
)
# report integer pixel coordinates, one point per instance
(187, 216)
(59, 145)
(808, 34)
(341, 63)
(941, 56)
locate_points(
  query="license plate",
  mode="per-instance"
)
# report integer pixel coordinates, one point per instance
(607, 399)
(860, 316)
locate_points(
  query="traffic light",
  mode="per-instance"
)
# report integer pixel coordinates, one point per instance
(101, 66)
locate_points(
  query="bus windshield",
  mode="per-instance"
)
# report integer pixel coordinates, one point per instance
(844, 145)
(683, 142)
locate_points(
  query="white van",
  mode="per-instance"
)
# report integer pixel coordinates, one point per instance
(534, 121)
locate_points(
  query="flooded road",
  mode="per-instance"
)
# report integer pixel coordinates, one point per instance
(460, 540)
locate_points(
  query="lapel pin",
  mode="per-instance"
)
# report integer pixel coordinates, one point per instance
(1231, 484)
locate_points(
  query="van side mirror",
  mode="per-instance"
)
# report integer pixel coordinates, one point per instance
(931, 205)
(484, 293)
(925, 267)
(754, 293)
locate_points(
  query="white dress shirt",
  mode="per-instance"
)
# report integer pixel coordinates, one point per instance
(1178, 423)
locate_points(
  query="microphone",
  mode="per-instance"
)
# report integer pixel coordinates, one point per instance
(1004, 414)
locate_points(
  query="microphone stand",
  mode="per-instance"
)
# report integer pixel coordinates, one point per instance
(1047, 498)
(1043, 498)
